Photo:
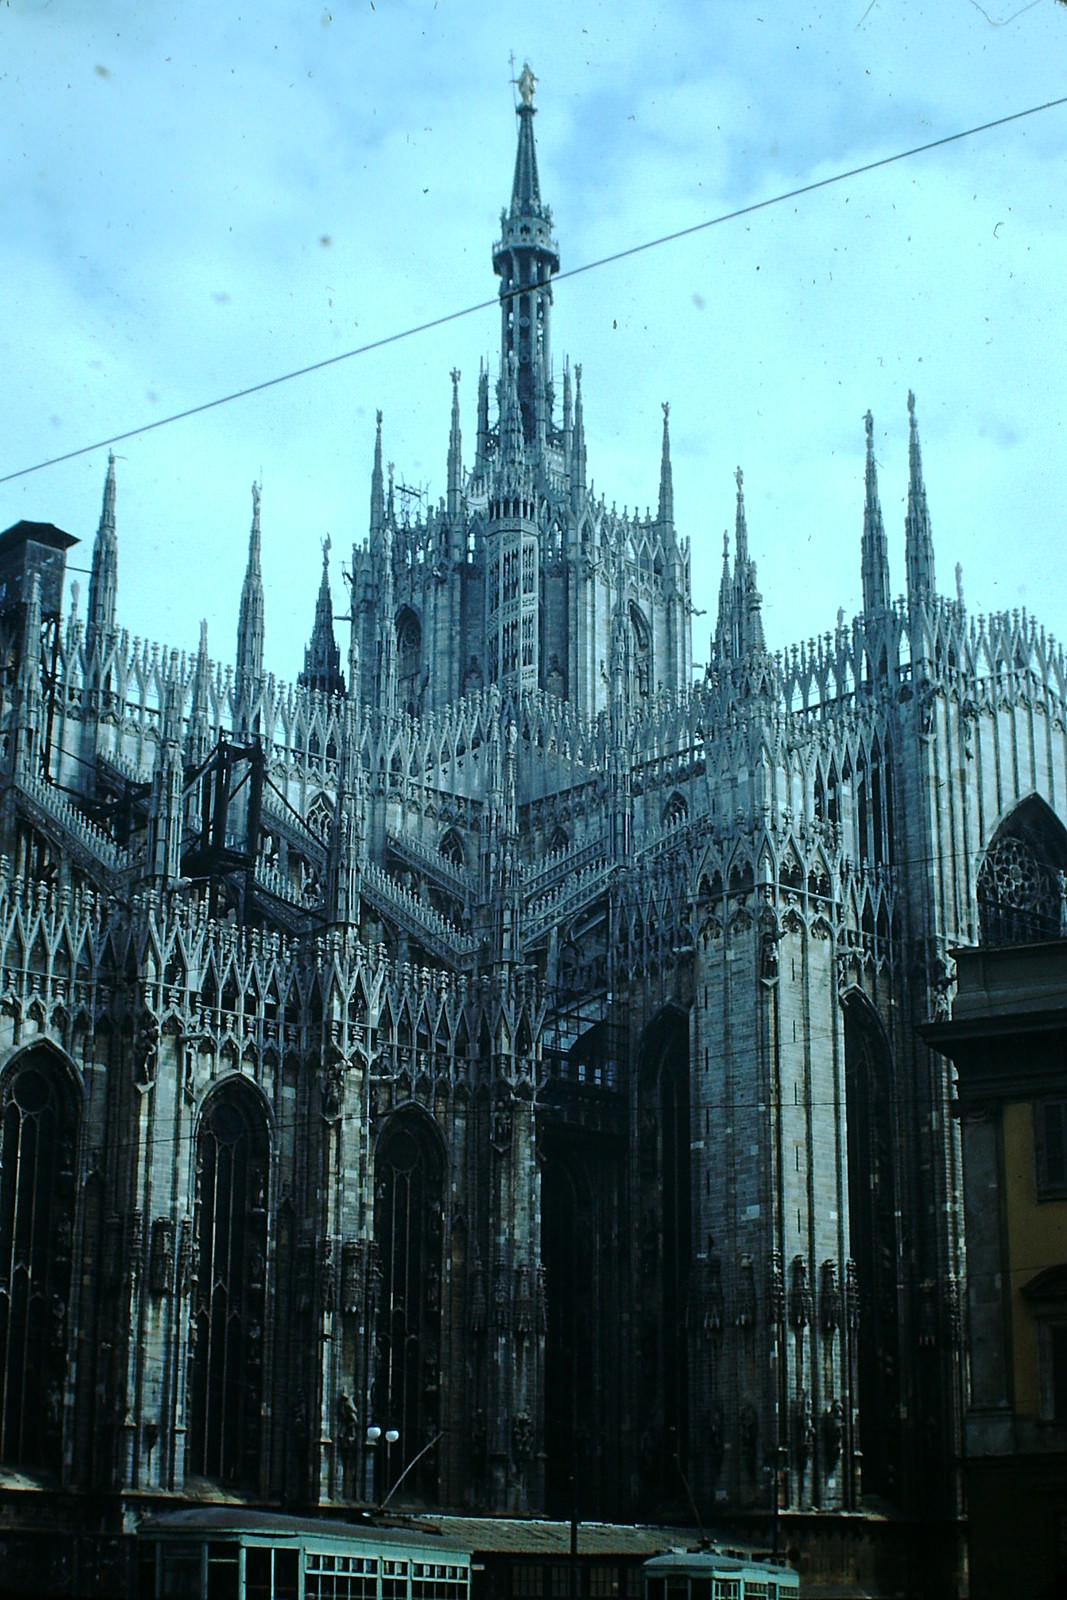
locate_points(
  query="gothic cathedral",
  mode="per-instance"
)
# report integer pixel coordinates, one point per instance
(498, 1036)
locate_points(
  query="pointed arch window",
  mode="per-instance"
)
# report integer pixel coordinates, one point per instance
(408, 652)
(642, 652)
(664, 1248)
(320, 815)
(676, 811)
(451, 848)
(1022, 891)
(38, 1132)
(409, 1188)
(874, 1226)
(227, 1332)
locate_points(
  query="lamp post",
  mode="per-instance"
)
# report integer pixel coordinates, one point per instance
(374, 1435)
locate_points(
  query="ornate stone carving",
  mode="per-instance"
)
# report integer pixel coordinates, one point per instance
(522, 1436)
(477, 1306)
(347, 1424)
(833, 1420)
(523, 1316)
(746, 1294)
(829, 1299)
(351, 1278)
(800, 1306)
(161, 1259)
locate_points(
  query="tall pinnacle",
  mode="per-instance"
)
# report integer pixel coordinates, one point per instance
(511, 462)
(875, 554)
(377, 488)
(739, 629)
(666, 480)
(740, 525)
(722, 643)
(525, 258)
(578, 446)
(918, 540)
(103, 580)
(250, 618)
(322, 657)
(455, 453)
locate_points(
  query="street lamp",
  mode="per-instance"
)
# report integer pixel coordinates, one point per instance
(374, 1434)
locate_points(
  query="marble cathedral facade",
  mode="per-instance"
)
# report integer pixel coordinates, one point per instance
(499, 1036)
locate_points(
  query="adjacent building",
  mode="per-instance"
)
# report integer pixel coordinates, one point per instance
(1007, 1038)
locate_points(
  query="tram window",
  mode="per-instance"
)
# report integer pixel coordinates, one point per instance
(286, 1574)
(223, 1572)
(656, 1588)
(677, 1589)
(755, 1590)
(270, 1574)
(257, 1572)
(727, 1589)
(437, 1580)
(181, 1573)
(394, 1580)
(339, 1578)
(700, 1588)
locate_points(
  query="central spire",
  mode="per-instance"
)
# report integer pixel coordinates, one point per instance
(525, 258)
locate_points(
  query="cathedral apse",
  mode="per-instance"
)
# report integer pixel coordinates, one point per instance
(504, 1036)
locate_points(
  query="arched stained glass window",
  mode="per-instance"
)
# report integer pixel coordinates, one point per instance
(38, 1129)
(408, 1231)
(227, 1331)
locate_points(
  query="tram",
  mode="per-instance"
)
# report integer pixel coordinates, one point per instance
(714, 1575)
(232, 1553)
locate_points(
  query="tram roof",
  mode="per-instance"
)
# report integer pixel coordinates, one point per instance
(259, 1524)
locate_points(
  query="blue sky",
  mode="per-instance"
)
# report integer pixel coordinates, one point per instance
(198, 198)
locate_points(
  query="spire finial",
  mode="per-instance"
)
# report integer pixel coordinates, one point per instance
(874, 553)
(322, 658)
(666, 477)
(249, 665)
(103, 581)
(525, 258)
(919, 542)
(377, 494)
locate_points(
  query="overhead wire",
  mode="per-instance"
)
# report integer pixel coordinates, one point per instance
(571, 272)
